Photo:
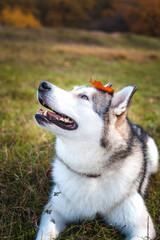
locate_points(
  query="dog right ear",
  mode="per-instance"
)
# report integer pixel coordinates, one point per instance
(108, 85)
(121, 100)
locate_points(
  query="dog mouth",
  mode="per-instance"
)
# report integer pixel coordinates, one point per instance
(52, 117)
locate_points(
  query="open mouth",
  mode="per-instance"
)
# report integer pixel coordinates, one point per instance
(53, 117)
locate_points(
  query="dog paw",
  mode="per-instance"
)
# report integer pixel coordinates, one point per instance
(48, 233)
(46, 236)
(49, 236)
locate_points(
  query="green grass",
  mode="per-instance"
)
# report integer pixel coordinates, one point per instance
(28, 57)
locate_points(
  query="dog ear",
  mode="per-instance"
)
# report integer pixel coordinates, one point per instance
(122, 99)
(108, 85)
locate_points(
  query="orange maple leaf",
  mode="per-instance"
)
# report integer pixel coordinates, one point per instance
(98, 85)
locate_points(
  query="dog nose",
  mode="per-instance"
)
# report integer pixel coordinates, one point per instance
(44, 86)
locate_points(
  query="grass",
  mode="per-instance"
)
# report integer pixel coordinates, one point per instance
(66, 58)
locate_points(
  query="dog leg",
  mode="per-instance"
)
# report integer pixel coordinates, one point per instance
(50, 227)
(52, 223)
(132, 218)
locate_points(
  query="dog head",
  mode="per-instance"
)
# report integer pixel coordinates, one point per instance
(81, 112)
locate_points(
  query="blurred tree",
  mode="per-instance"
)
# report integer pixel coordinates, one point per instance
(141, 16)
(17, 18)
(44, 7)
(100, 7)
(25, 5)
(106, 17)
(65, 12)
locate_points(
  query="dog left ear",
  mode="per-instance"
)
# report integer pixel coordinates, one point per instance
(122, 99)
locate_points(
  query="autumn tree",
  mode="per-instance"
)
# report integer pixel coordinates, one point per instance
(15, 17)
(65, 12)
(107, 17)
(27, 6)
(140, 16)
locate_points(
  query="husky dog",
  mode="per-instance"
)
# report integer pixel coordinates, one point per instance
(102, 163)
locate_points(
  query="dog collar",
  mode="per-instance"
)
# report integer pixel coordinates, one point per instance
(49, 172)
(81, 174)
(50, 169)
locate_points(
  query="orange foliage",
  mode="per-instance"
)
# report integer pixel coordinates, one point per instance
(138, 16)
(141, 16)
(98, 85)
(17, 18)
(68, 12)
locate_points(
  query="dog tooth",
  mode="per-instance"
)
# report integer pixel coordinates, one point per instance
(66, 120)
(45, 113)
(70, 121)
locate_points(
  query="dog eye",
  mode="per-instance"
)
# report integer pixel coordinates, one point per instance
(84, 97)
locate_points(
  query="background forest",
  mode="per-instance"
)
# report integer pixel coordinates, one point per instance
(137, 16)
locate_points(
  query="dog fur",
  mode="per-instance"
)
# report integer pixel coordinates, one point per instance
(101, 166)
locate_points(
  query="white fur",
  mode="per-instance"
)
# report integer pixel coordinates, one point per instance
(153, 155)
(77, 197)
(121, 99)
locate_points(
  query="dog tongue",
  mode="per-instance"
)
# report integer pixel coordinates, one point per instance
(40, 111)
(50, 114)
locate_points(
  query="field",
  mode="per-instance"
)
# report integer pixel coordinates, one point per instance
(65, 58)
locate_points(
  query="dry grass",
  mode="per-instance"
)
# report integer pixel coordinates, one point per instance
(107, 53)
(44, 53)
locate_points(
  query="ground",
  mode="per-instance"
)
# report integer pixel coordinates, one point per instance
(66, 58)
